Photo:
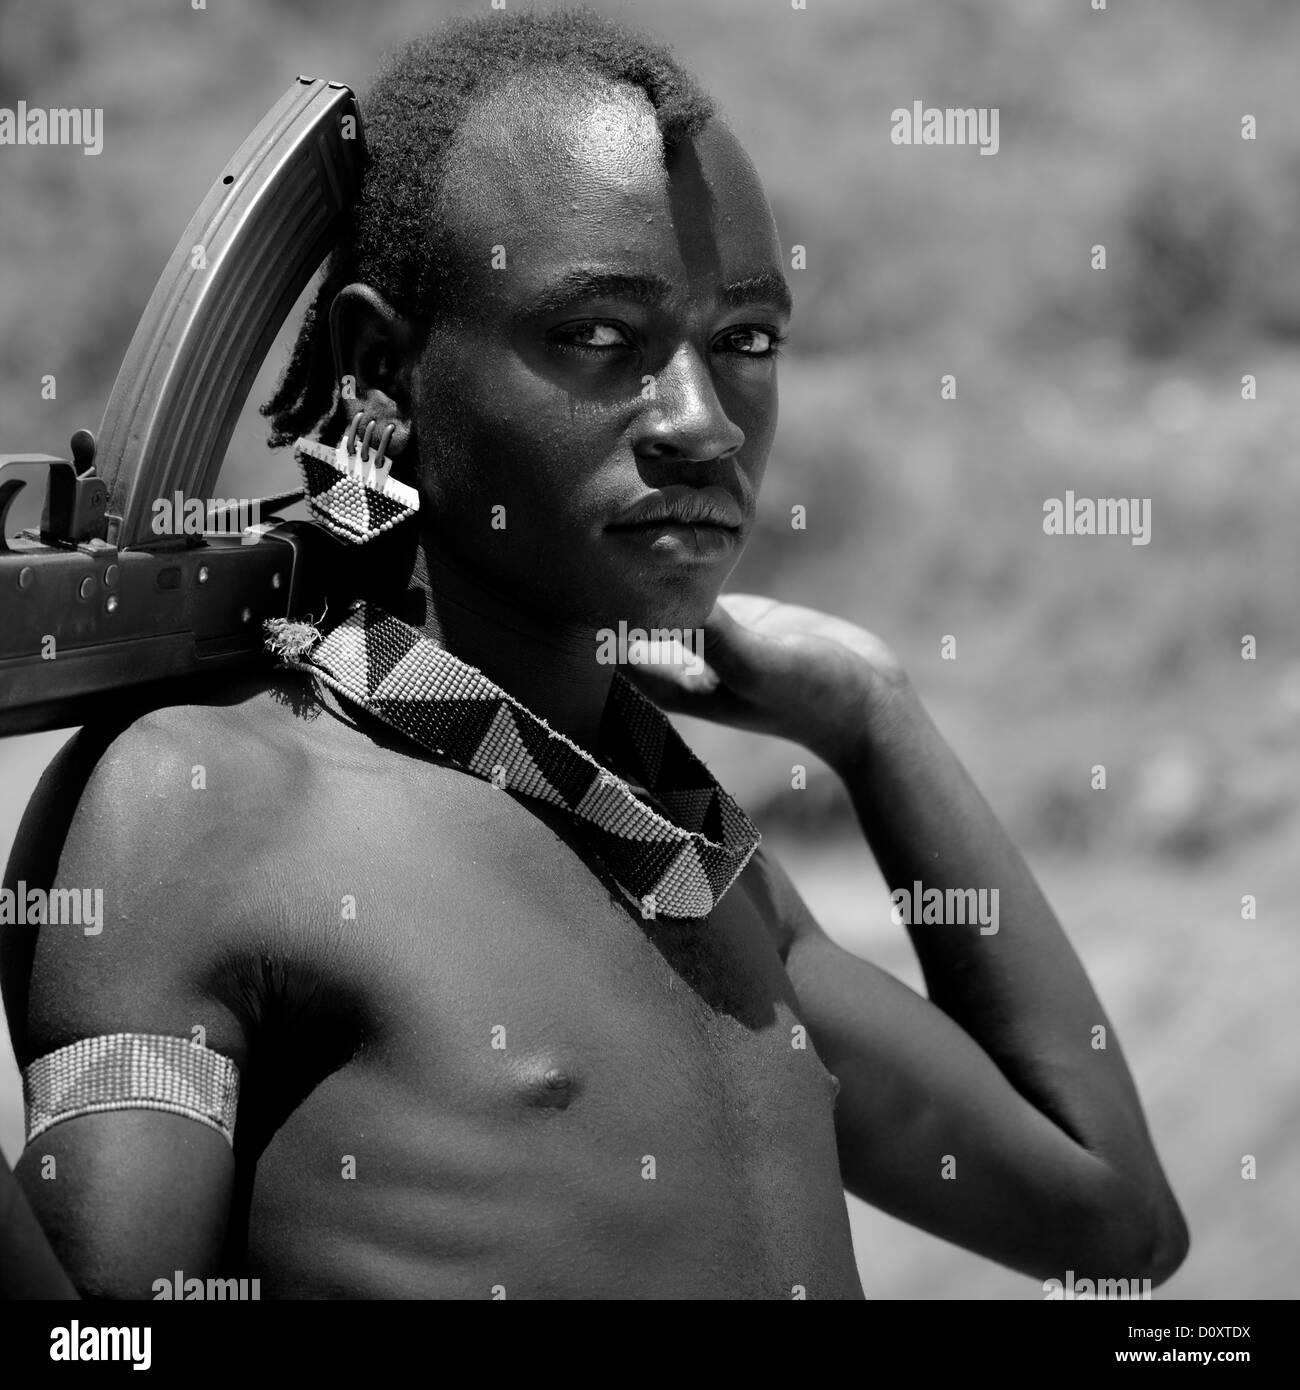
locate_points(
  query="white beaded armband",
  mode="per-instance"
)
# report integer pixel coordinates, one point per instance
(132, 1071)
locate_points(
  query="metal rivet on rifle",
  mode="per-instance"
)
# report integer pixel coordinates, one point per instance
(26, 577)
(110, 603)
(110, 577)
(275, 581)
(246, 615)
(203, 574)
(87, 587)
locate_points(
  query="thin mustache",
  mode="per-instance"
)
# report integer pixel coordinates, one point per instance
(685, 506)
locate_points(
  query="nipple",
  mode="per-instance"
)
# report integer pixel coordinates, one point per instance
(547, 1086)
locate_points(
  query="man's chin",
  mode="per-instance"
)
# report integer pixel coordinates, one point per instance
(667, 597)
(681, 607)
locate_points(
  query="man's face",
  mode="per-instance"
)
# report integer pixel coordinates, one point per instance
(611, 361)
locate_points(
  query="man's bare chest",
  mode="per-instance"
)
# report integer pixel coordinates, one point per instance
(461, 1005)
(461, 942)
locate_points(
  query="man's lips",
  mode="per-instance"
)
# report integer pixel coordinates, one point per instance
(680, 505)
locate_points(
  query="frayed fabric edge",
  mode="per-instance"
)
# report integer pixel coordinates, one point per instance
(291, 639)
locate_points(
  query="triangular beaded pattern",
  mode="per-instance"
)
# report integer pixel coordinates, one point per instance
(419, 688)
(354, 507)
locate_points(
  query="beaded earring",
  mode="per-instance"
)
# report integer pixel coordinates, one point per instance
(349, 490)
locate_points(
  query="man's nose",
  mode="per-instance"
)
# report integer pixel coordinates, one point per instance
(684, 419)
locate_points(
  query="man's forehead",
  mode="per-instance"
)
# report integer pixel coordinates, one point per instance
(584, 181)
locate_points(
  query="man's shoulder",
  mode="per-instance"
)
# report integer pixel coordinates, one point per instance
(216, 831)
(776, 900)
(274, 711)
(154, 815)
(250, 738)
(264, 769)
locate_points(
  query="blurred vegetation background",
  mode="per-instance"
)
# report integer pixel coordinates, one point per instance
(1120, 128)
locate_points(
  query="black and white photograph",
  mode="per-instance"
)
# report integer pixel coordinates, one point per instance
(497, 808)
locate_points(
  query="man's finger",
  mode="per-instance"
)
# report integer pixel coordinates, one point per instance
(731, 647)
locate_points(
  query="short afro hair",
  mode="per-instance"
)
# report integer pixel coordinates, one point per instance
(413, 110)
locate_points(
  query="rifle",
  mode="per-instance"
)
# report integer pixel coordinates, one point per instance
(95, 607)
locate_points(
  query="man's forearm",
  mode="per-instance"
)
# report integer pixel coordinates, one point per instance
(1020, 990)
(29, 1268)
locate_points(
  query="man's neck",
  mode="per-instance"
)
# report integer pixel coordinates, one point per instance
(550, 667)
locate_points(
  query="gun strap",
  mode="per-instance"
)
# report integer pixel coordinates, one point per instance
(677, 864)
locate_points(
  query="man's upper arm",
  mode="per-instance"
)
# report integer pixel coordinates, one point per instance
(928, 1128)
(129, 1196)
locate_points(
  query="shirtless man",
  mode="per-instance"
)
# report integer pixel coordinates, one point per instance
(647, 1124)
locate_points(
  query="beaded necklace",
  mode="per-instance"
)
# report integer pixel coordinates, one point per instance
(677, 864)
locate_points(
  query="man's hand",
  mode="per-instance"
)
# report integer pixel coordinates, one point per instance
(780, 669)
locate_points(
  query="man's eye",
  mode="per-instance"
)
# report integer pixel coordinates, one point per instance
(592, 337)
(754, 342)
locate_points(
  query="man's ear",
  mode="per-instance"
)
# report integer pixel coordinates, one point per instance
(373, 360)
